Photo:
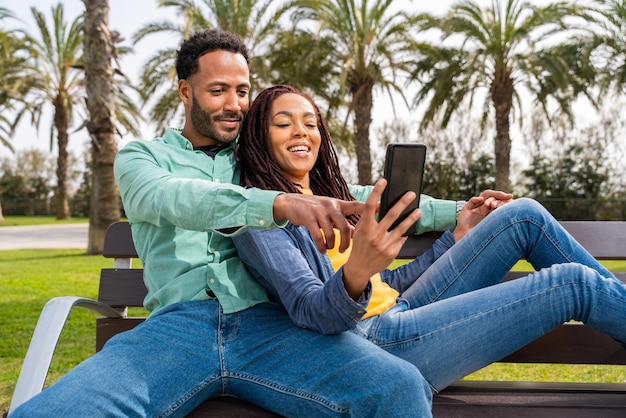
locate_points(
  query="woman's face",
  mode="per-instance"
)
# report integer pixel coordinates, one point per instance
(293, 137)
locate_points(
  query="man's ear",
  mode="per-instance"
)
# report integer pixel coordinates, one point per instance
(184, 91)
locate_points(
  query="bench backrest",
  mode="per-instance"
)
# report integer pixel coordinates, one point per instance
(574, 343)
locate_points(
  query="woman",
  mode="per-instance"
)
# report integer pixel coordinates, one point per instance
(446, 312)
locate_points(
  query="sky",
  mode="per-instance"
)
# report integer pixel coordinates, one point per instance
(127, 16)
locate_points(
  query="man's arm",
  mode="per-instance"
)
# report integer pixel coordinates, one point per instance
(440, 214)
(437, 214)
(151, 193)
(189, 200)
(318, 213)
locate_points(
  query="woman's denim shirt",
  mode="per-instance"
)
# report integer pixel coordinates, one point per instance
(287, 263)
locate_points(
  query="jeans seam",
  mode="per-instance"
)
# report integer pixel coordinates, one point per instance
(569, 283)
(288, 390)
(473, 317)
(186, 397)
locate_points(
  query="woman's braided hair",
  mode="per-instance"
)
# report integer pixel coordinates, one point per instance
(260, 169)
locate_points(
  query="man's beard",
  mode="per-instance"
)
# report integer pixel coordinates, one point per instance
(205, 125)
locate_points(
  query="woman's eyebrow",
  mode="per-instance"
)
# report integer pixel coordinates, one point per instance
(288, 113)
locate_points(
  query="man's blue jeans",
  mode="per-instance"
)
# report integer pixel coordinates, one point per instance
(458, 317)
(191, 351)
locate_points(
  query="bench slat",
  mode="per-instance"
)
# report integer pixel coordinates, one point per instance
(571, 343)
(109, 327)
(605, 240)
(122, 287)
(118, 241)
(472, 399)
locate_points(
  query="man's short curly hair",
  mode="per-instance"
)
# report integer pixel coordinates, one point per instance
(202, 42)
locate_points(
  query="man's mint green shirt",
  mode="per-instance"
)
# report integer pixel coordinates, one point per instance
(176, 199)
(437, 214)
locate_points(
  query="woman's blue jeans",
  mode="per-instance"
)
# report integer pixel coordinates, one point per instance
(191, 351)
(458, 317)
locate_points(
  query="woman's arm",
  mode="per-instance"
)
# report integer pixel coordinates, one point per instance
(287, 263)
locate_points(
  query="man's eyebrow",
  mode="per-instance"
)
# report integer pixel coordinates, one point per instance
(225, 84)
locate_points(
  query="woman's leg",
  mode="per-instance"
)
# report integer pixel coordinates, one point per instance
(453, 337)
(522, 229)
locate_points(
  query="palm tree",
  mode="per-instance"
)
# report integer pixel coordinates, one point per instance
(56, 51)
(14, 61)
(502, 50)
(254, 21)
(315, 71)
(11, 65)
(370, 45)
(610, 41)
(99, 47)
(57, 77)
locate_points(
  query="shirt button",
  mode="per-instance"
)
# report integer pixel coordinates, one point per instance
(212, 281)
(261, 222)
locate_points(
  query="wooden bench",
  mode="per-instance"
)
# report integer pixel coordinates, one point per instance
(122, 287)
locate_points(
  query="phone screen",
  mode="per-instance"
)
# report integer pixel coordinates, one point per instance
(404, 170)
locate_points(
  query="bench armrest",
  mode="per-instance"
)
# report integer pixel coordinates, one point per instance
(45, 338)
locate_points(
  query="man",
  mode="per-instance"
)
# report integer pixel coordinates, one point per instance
(211, 331)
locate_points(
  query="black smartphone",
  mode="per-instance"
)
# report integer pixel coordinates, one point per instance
(404, 171)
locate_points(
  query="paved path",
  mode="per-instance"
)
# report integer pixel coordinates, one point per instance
(44, 236)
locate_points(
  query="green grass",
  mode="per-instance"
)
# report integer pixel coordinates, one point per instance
(28, 278)
(39, 220)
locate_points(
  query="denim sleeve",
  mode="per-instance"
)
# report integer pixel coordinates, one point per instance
(437, 214)
(404, 276)
(155, 194)
(313, 299)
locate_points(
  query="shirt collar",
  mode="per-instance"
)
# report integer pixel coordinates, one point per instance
(174, 136)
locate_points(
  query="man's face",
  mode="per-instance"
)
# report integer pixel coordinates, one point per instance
(216, 98)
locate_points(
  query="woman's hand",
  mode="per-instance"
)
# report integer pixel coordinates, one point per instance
(373, 246)
(477, 208)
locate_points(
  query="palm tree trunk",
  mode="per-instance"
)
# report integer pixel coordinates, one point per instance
(99, 52)
(502, 98)
(61, 123)
(363, 102)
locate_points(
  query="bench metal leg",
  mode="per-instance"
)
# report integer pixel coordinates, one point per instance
(45, 338)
